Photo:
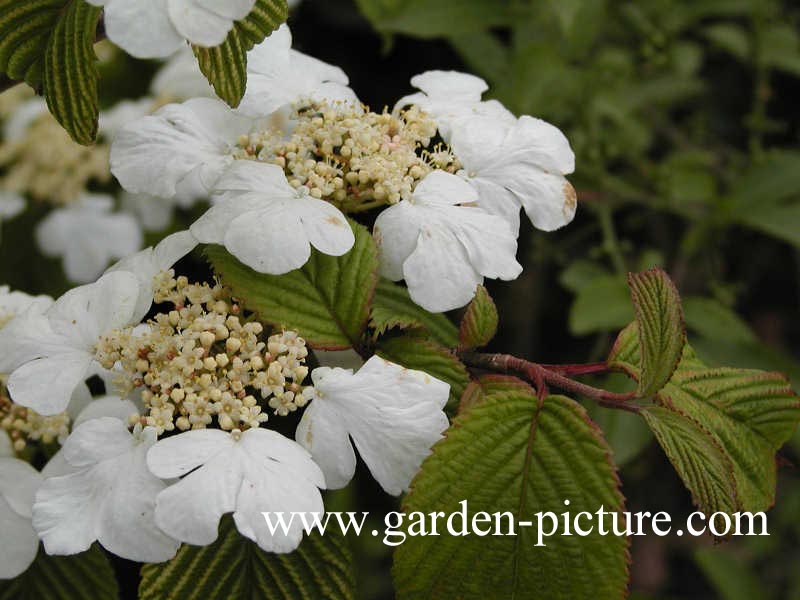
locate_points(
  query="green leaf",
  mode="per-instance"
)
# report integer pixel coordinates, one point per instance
(393, 307)
(748, 414)
(70, 72)
(479, 324)
(432, 18)
(730, 576)
(427, 356)
(485, 385)
(731, 38)
(25, 29)
(235, 567)
(327, 300)
(225, 66)
(84, 576)
(660, 325)
(510, 453)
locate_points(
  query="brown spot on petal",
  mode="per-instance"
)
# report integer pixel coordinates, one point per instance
(570, 199)
(333, 220)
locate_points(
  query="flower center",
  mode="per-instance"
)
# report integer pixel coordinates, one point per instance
(351, 156)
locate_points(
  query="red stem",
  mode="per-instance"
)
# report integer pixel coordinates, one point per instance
(541, 375)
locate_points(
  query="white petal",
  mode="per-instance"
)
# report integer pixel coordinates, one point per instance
(548, 143)
(18, 484)
(141, 27)
(80, 399)
(230, 9)
(96, 440)
(63, 515)
(549, 201)
(84, 313)
(20, 542)
(396, 232)
(212, 226)
(441, 188)
(46, 384)
(180, 143)
(322, 432)
(489, 241)
(439, 274)
(325, 226)
(459, 86)
(269, 241)
(106, 406)
(178, 455)
(27, 337)
(173, 248)
(180, 78)
(198, 24)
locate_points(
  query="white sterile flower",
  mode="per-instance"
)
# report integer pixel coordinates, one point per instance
(181, 149)
(394, 415)
(152, 212)
(449, 97)
(18, 484)
(151, 261)
(441, 249)
(278, 75)
(246, 473)
(122, 113)
(88, 235)
(154, 28)
(518, 163)
(269, 225)
(47, 355)
(109, 495)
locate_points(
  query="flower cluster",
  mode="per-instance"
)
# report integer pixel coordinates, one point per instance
(185, 439)
(199, 363)
(450, 170)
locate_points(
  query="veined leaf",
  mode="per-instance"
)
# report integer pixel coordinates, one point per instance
(747, 414)
(485, 385)
(479, 324)
(25, 29)
(225, 66)
(327, 300)
(70, 73)
(510, 453)
(235, 567)
(392, 307)
(84, 576)
(660, 325)
(427, 356)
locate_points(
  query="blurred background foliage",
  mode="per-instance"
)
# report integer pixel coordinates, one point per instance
(684, 118)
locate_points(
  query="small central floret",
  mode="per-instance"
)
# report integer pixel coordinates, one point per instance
(350, 156)
(201, 362)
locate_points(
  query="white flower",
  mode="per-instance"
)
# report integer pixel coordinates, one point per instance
(49, 354)
(154, 28)
(149, 262)
(449, 97)
(88, 236)
(109, 496)
(152, 212)
(182, 149)
(18, 484)
(441, 249)
(122, 113)
(246, 473)
(519, 163)
(26, 113)
(394, 416)
(278, 75)
(269, 225)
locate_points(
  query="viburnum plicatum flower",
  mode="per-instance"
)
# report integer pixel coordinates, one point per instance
(518, 163)
(449, 97)
(15, 303)
(155, 28)
(18, 484)
(181, 149)
(278, 76)
(108, 496)
(268, 224)
(88, 235)
(442, 246)
(393, 415)
(180, 78)
(243, 472)
(47, 355)
(151, 261)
